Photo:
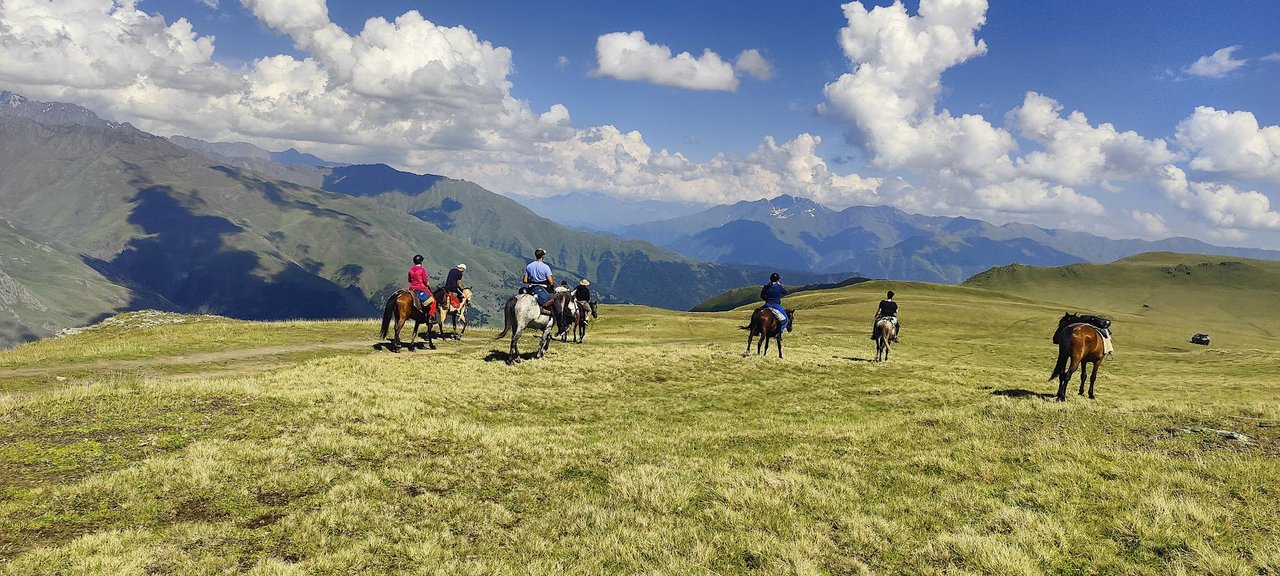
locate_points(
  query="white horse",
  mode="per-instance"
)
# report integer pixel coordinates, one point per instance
(523, 311)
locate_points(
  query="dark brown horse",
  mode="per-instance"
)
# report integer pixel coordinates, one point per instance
(1078, 343)
(400, 307)
(583, 311)
(885, 331)
(765, 324)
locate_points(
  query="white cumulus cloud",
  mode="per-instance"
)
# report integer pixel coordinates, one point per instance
(898, 60)
(751, 63)
(629, 56)
(1217, 203)
(1150, 225)
(1074, 152)
(1231, 144)
(1216, 65)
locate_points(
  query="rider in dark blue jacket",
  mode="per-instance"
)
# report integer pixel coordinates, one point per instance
(772, 294)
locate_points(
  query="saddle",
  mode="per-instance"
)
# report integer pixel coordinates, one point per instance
(424, 306)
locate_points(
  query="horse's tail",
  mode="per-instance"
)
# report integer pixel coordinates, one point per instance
(1064, 356)
(387, 312)
(508, 317)
(753, 323)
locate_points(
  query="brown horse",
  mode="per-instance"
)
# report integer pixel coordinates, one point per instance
(400, 307)
(765, 324)
(446, 309)
(885, 331)
(1078, 343)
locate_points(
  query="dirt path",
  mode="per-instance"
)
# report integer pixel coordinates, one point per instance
(198, 358)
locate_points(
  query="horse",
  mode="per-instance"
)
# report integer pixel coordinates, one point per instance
(885, 331)
(401, 307)
(1078, 343)
(581, 309)
(522, 311)
(447, 309)
(765, 323)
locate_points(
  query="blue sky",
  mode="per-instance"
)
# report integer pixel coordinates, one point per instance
(1127, 119)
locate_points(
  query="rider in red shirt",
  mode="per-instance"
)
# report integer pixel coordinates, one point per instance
(420, 284)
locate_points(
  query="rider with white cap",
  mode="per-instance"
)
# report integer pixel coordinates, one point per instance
(453, 282)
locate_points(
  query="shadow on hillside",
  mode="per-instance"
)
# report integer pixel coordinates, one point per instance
(275, 195)
(1023, 393)
(182, 261)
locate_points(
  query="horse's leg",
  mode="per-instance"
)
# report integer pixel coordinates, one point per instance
(1084, 373)
(1093, 377)
(545, 343)
(750, 335)
(779, 345)
(395, 338)
(1065, 379)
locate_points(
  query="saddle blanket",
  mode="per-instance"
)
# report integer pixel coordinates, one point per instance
(453, 300)
(778, 314)
(1107, 348)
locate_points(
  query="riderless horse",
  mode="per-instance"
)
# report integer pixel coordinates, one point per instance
(523, 311)
(765, 324)
(459, 313)
(1078, 343)
(402, 306)
(885, 331)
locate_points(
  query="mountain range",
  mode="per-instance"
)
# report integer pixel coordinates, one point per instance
(98, 217)
(884, 242)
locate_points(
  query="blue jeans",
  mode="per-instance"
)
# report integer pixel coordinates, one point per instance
(539, 291)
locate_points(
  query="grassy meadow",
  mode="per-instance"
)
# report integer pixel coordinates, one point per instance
(211, 446)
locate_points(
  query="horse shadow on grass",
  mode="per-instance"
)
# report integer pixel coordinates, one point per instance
(1023, 393)
(403, 346)
(853, 358)
(503, 355)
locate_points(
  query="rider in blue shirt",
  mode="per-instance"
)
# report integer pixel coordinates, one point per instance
(537, 275)
(772, 294)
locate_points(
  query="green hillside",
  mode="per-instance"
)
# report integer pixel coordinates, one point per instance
(45, 287)
(1191, 291)
(745, 295)
(159, 443)
(210, 238)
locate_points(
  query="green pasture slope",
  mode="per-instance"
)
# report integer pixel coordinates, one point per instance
(655, 447)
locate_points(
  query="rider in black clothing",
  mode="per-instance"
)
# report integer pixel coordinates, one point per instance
(888, 309)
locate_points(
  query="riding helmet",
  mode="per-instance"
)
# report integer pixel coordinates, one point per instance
(417, 258)
(774, 277)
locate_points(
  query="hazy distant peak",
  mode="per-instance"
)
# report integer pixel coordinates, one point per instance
(14, 105)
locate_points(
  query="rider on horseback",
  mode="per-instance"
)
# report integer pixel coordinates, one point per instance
(772, 294)
(583, 292)
(537, 276)
(419, 284)
(453, 283)
(888, 309)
